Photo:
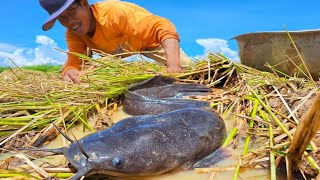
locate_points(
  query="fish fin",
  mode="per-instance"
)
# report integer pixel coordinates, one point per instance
(158, 80)
(191, 88)
(184, 90)
(212, 158)
(81, 172)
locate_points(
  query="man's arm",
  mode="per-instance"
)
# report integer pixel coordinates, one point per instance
(172, 49)
(72, 66)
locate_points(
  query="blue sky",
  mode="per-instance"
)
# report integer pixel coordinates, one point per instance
(203, 26)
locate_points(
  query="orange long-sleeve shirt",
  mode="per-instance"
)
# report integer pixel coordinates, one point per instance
(120, 26)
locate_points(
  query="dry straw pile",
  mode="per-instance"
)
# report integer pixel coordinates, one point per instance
(263, 107)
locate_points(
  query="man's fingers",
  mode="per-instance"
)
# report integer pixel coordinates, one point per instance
(66, 78)
(74, 78)
(174, 70)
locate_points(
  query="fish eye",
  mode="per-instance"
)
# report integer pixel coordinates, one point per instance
(117, 162)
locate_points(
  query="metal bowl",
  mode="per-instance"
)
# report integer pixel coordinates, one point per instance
(276, 49)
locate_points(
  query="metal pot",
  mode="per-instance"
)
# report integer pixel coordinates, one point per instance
(275, 48)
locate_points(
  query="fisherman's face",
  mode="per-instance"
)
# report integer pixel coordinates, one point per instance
(77, 18)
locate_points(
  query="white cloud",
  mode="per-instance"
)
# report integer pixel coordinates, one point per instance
(7, 47)
(44, 53)
(217, 46)
(44, 40)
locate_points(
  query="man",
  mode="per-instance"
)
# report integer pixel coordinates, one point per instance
(114, 27)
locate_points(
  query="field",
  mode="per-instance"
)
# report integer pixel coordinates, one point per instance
(43, 68)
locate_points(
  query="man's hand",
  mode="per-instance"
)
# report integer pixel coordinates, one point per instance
(72, 75)
(174, 69)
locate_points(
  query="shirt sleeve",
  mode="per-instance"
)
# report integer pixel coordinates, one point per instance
(75, 44)
(144, 25)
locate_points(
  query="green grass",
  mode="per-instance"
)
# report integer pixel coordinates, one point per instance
(44, 68)
(2, 69)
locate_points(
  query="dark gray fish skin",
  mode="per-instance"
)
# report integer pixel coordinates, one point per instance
(173, 91)
(136, 104)
(163, 87)
(158, 95)
(150, 145)
(155, 81)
